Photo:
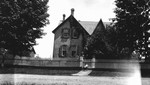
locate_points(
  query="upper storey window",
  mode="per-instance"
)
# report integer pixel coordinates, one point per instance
(75, 33)
(65, 33)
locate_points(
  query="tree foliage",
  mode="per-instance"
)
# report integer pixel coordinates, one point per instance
(130, 31)
(95, 46)
(98, 44)
(103, 44)
(20, 24)
(132, 25)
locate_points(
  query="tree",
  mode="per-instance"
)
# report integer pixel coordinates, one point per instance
(112, 41)
(96, 43)
(20, 24)
(132, 25)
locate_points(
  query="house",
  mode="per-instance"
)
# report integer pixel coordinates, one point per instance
(70, 36)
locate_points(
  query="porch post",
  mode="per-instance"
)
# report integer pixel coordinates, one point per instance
(93, 62)
(81, 61)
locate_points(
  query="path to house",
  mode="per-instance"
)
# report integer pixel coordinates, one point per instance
(71, 80)
(82, 73)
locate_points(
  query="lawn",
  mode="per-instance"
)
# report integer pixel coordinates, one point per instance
(27, 75)
(26, 79)
(67, 71)
(39, 70)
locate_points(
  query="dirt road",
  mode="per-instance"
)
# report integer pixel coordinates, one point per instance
(71, 80)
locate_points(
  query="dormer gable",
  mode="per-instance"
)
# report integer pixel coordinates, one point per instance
(99, 28)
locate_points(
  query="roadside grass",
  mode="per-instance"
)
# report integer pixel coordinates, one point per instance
(108, 73)
(24, 83)
(7, 83)
(145, 73)
(67, 71)
(39, 70)
(45, 71)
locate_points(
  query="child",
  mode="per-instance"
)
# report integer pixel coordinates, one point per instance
(85, 67)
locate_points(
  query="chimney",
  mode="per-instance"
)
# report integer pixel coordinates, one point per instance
(72, 11)
(64, 17)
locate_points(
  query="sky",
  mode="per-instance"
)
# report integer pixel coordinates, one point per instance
(85, 10)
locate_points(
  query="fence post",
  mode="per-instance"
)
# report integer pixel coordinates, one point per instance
(81, 61)
(93, 62)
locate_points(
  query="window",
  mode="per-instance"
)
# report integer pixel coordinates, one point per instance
(73, 54)
(75, 33)
(65, 33)
(73, 50)
(63, 51)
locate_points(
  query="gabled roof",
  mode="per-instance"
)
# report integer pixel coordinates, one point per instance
(60, 24)
(90, 26)
(100, 27)
(70, 17)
